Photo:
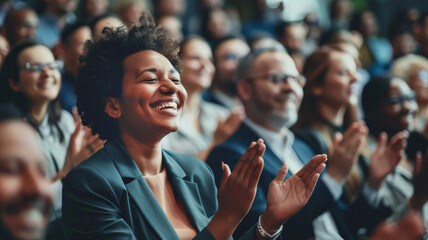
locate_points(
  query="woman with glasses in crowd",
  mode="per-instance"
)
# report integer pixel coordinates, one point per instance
(30, 79)
(129, 91)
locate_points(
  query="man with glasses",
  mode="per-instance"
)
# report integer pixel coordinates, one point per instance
(270, 88)
(227, 52)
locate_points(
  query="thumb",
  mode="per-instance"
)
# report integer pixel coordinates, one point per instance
(225, 177)
(382, 141)
(337, 139)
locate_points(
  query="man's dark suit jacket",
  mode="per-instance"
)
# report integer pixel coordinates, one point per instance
(300, 225)
(106, 197)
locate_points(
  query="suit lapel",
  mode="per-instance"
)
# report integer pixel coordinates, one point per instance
(140, 192)
(187, 192)
(272, 161)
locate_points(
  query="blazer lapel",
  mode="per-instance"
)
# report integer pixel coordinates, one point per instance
(140, 192)
(187, 192)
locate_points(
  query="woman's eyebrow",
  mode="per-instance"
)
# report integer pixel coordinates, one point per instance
(147, 70)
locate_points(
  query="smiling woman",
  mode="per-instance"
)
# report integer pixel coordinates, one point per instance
(129, 92)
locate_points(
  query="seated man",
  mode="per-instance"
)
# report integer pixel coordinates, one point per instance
(25, 197)
(271, 91)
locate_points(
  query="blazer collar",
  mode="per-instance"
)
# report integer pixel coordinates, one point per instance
(144, 199)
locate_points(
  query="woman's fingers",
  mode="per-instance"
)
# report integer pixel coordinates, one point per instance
(282, 173)
(226, 175)
(239, 165)
(257, 172)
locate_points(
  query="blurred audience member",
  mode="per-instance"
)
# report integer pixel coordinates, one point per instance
(4, 49)
(422, 35)
(98, 24)
(215, 25)
(313, 34)
(57, 14)
(292, 35)
(390, 108)
(402, 40)
(173, 25)
(94, 8)
(31, 80)
(376, 52)
(203, 125)
(73, 39)
(228, 51)
(130, 10)
(19, 25)
(340, 14)
(25, 193)
(414, 70)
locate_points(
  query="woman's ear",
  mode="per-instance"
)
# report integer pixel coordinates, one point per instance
(112, 107)
(14, 85)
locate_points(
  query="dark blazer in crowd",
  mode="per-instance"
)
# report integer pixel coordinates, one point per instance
(299, 226)
(106, 197)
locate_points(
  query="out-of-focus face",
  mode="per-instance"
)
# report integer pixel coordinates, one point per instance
(277, 102)
(198, 67)
(131, 13)
(418, 82)
(403, 44)
(399, 109)
(111, 22)
(74, 48)
(336, 89)
(25, 195)
(294, 37)
(38, 85)
(173, 25)
(170, 7)
(227, 57)
(152, 96)
(95, 8)
(368, 24)
(24, 26)
(217, 24)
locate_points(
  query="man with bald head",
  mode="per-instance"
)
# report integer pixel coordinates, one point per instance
(20, 25)
(25, 196)
(270, 88)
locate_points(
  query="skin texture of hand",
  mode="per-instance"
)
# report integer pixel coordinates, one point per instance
(411, 227)
(237, 191)
(286, 197)
(420, 180)
(386, 157)
(82, 145)
(345, 150)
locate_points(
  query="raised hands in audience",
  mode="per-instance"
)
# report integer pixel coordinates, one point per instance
(386, 157)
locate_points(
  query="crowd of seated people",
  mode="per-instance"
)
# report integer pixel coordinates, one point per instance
(211, 119)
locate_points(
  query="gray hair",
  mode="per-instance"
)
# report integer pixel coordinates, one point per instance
(247, 61)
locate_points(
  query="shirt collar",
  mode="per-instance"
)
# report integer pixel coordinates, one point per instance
(283, 138)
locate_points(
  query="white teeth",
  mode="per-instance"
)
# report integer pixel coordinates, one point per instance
(167, 105)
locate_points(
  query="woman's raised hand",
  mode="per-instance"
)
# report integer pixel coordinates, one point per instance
(345, 150)
(286, 197)
(82, 145)
(237, 191)
(386, 157)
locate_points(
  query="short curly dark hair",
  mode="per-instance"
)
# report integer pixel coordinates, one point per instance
(101, 71)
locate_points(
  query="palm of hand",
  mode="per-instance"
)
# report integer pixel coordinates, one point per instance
(286, 198)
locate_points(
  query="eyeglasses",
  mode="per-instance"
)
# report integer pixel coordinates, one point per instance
(401, 99)
(277, 78)
(38, 67)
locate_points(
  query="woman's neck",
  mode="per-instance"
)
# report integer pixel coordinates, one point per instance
(332, 114)
(37, 111)
(147, 155)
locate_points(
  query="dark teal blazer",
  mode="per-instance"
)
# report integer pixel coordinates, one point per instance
(106, 197)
